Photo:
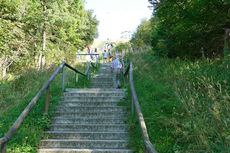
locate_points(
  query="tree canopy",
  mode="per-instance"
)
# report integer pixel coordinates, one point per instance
(186, 28)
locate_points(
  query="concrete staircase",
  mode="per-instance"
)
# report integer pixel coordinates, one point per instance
(103, 79)
(89, 120)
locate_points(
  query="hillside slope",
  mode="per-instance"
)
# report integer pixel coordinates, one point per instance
(185, 104)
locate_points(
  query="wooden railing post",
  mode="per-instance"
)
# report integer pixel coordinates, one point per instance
(63, 78)
(88, 72)
(47, 99)
(123, 65)
(84, 81)
(132, 105)
(3, 147)
(76, 79)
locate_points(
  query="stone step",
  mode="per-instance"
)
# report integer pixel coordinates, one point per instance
(105, 72)
(103, 76)
(81, 144)
(88, 135)
(98, 94)
(93, 90)
(100, 83)
(93, 98)
(94, 120)
(103, 112)
(105, 69)
(89, 127)
(102, 79)
(90, 109)
(75, 104)
(90, 114)
(102, 86)
(84, 151)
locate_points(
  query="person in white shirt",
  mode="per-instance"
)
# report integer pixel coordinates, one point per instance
(104, 56)
(79, 53)
(116, 69)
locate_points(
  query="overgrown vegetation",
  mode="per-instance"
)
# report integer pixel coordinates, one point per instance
(15, 95)
(185, 104)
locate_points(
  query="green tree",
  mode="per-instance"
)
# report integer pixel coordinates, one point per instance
(187, 26)
(32, 31)
(142, 37)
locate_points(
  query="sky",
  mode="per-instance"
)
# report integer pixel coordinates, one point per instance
(117, 16)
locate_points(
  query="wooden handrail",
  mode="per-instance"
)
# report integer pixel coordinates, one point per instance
(4, 140)
(148, 146)
(127, 70)
(74, 69)
(134, 102)
(88, 68)
(87, 54)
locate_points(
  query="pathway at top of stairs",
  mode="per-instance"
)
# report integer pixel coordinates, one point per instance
(89, 120)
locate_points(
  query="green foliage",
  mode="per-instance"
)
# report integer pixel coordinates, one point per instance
(142, 37)
(185, 29)
(68, 26)
(187, 26)
(122, 46)
(185, 104)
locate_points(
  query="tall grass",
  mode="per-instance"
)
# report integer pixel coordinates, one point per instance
(185, 104)
(15, 94)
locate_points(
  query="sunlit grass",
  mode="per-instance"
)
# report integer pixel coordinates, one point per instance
(185, 104)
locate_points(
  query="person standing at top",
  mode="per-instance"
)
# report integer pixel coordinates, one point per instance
(79, 53)
(104, 56)
(116, 69)
(110, 52)
(89, 52)
(95, 51)
(88, 48)
(110, 56)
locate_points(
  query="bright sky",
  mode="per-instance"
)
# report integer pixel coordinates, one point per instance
(116, 16)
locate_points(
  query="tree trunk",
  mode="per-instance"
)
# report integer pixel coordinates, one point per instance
(36, 60)
(4, 67)
(35, 55)
(41, 62)
(228, 39)
(227, 46)
(4, 72)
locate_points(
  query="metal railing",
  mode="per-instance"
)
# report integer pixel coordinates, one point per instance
(135, 105)
(4, 140)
